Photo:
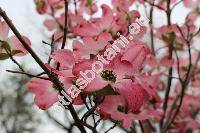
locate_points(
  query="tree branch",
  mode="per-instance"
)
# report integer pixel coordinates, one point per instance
(65, 26)
(30, 75)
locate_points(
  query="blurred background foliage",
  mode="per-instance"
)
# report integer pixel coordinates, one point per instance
(16, 109)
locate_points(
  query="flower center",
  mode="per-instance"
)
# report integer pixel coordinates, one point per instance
(108, 75)
(122, 109)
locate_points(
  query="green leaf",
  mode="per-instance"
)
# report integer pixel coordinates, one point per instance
(117, 122)
(14, 52)
(89, 3)
(169, 38)
(6, 46)
(178, 46)
(108, 90)
(172, 36)
(4, 56)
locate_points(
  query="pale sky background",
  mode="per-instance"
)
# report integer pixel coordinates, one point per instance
(30, 23)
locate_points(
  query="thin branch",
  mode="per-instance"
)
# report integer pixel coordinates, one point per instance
(13, 60)
(97, 122)
(170, 73)
(178, 66)
(151, 126)
(29, 75)
(89, 112)
(179, 28)
(75, 7)
(159, 7)
(20, 67)
(56, 121)
(40, 74)
(171, 76)
(151, 30)
(65, 26)
(141, 126)
(195, 34)
(52, 48)
(78, 122)
(176, 4)
(111, 128)
(54, 17)
(93, 117)
(90, 127)
(65, 31)
(157, 50)
(92, 109)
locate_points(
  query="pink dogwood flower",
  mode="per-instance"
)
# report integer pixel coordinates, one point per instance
(43, 6)
(97, 25)
(191, 3)
(91, 46)
(45, 95)
(12, 41)
(88, 6)
(116, 107)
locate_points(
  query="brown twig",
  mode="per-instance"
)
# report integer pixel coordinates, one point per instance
(151, 30)
(169, 81)
(13, 60)
(65, 31)
(178, 66)
(29, 75)
(141, 126)
(157, 6)
(65, 26)
(111, 128)
(75, 7)
(176, 4)
(52, 49)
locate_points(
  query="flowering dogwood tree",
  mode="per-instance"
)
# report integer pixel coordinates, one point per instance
(141, 85)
